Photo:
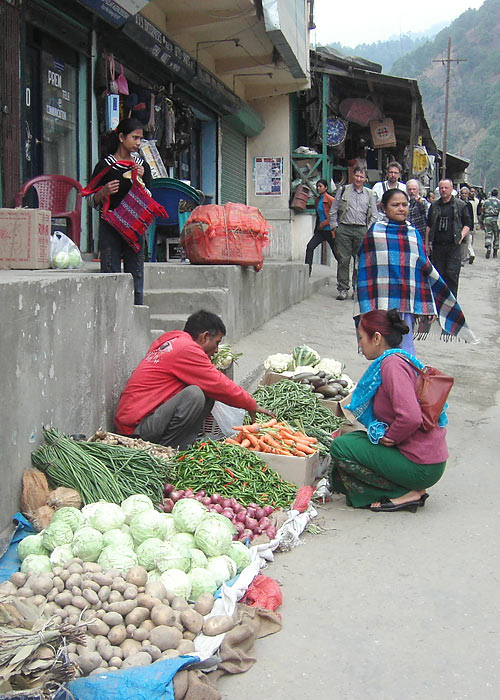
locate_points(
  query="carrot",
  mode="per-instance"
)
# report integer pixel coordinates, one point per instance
(305, 448)
(239, 438)
(269, 423)
(299, 453)
(232, 442)
(254, 440)
(239, 428)
(245, 442)
(271, 441)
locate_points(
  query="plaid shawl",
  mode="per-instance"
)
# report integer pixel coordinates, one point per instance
(395, 273)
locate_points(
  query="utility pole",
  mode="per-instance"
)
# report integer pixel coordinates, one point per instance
(446, 102)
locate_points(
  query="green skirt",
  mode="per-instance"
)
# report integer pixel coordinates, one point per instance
(365, 472)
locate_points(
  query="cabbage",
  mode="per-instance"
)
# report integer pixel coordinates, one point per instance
(170, 557)
(89, 510)
(183, 539)
(177, 581)
(240, 555)
(75, 258)
(214, 534)
(147, 551)
(154, 575)
(55, 534)
(60, 555)
(61, 260)
(202, 581)
(107, 516)
(118, 538)
(87, 544)
(231, 565)
(119, 558)
(198, 559)
(146, 524)
(188, 513)
(32, 544)
(69, 515)
(136, 504)
(221, 569)
(38, 563)
(169, 520)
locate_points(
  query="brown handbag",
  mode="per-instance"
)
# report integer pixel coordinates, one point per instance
(432, 389)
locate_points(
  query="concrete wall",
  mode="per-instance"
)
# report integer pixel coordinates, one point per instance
(69, 343)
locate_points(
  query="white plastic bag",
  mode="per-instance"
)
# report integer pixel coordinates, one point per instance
(64, 254)
(227, 416)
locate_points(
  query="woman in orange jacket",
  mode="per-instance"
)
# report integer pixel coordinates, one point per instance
(322, 231)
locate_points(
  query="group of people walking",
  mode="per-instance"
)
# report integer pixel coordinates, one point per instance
(407, 255)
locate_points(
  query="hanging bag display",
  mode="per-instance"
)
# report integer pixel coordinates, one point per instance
(135, 213)
(113, 85)
(121, 82)
(432, 390)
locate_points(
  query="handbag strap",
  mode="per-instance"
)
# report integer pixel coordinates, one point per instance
(93, 187)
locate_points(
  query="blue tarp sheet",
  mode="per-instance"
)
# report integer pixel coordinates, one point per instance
(10, 562)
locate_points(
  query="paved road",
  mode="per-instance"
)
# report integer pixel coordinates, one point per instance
(392, 606)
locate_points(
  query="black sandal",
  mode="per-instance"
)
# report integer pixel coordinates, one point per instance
(387, 506)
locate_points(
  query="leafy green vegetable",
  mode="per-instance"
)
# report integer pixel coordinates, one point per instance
(87, 543)
(55, 534)
(214, 535)
(202, 581)
(177, 581)
(119, 558)
(188, 514)
(32, 544)
(37, 563)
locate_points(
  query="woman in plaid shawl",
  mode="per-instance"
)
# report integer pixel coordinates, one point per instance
(395, 273)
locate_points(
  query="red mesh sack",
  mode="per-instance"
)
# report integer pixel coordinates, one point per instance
(263, 592)
(229, 234)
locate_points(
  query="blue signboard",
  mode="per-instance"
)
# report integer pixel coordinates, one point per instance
(109, 10)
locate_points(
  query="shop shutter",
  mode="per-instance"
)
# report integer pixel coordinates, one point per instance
(233, 163)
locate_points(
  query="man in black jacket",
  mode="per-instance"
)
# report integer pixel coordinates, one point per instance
(448, 224)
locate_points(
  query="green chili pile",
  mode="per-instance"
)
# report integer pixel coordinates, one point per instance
(297, 405)
(231, 471)
(100, 471)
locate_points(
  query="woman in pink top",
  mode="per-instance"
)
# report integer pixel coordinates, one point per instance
(389, 467)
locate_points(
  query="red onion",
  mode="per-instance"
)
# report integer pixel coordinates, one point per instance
(176, 495)
(225, 502)
(240, 517)
(167, 489)
(257, 530)
(251, 523)
(253, 505)
(271, 532)
(246, 534)
(206, 500)
(259, 513)
(233, 503)
(197, 497)
(228, 512)
(235, 536)
(239, 527)
(251, 512)
(160, 506)
(189, 493)
(217, 508)
(216, 498)
(168, 504)
(237, 507)
(201, 493)
(264, 523)
(268, 510)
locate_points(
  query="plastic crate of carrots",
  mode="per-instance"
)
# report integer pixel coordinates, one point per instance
(274, 438)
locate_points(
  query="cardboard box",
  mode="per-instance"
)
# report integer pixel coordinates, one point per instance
(25, 239)
(299, 470)
(336, 407)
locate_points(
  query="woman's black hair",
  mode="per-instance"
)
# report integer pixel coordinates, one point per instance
(389, 194)
(389, 324)
(125, 127)
(322, 182)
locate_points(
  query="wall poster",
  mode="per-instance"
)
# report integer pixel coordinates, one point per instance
(268, 175)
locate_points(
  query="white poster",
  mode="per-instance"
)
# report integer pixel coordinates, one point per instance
(268, 175)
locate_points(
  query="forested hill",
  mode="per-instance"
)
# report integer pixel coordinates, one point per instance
(383, 52)
(474, 114)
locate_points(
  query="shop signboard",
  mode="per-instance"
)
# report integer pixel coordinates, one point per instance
(113, 12)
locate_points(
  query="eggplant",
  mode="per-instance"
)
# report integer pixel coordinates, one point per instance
(343, 383)
(329, 393)
(303, 375)
(317, 382)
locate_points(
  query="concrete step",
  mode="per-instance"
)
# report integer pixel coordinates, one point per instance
(184, 275)
(186, 301)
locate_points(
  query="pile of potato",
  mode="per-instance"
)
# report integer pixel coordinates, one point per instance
(129, 622)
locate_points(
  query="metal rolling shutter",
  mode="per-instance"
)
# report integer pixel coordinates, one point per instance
(233, 162)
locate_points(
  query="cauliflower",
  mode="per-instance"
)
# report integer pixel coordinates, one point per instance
(279, 362)
(332, 367)
(305, 368)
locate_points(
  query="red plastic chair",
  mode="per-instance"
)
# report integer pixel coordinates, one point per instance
(53, 192)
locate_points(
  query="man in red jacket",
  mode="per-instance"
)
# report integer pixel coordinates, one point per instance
(174, 387)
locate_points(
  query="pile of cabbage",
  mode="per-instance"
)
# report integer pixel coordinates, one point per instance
(190, 550)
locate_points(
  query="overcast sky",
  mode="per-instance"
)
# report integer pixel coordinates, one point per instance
(368, 21)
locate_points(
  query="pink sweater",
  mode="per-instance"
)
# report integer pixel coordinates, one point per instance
(396, 404)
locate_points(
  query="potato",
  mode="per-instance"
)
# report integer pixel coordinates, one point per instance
(57, 619)
(114, 597)
(170, 654)
(147, 625)
(169, 596)
(141, 658)
(43, 584)
(98, 613)
(72, 619)
(116, 662)
(102, 579)
(130, 630)
(114, 573)
(90, 644)
(89, 615)
(189, 635)
(153, 651)
(185, 647)
(89, 583)
(192, 620)
(117, 652)
(90, 566)
(163, 615)
(63, 598)
(204, 604)
(123, 607)
(71, 647)
(99, 671)
(137, 575)
(129, 647)
(112, 618)
(72, 609)
(99, 639)
(51, 608)
(98, 627)
(80, 602)
(91, 596)
(73, 657)
(147, 601)
(51, 595)
(140, 634)
(218, 624)
(117, 634)
(9, 588)
(156, 589)
(165, 637)
(103, 593)
(24, 592)
(39, 600)
(130, 593)
(179, 603)
(18, 579)
(118, 585)
(74, 579)
(64, 575)
(89, 661)
(106, 651)
(181, 682)
(58, 583)
(75, 568)
(76, 590)
(141, 589)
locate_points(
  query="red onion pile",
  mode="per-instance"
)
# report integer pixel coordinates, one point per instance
(249, 521)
